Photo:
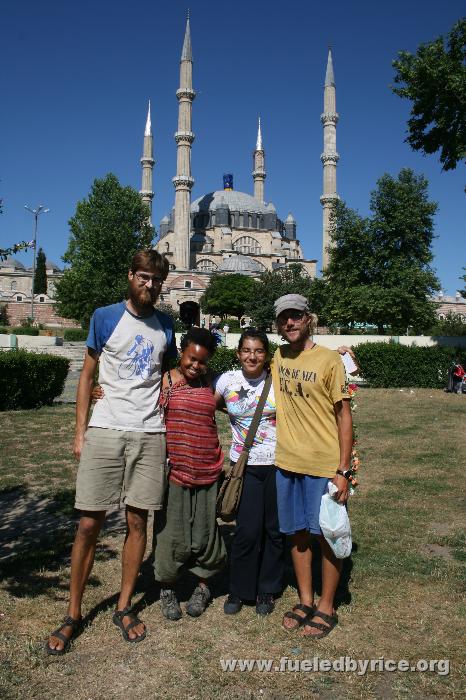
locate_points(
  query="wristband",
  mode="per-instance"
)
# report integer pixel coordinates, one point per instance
(347, 473)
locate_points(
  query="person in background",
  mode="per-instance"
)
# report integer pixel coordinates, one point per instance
(257, 553)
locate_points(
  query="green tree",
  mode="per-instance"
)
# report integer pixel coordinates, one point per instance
(40, 276)
(228, 295)
(452, 324)
(463, 291)
(105, 232)
(272, 285)
(379, 271)
(174, 315)
(435, 81)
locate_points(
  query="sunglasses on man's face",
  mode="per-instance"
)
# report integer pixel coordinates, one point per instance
(292, 314)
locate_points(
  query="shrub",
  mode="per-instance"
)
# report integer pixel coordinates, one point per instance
(4, 329)
(393, 365)
(25, 330)
(75, 334)
(223, 360)
(29, 379)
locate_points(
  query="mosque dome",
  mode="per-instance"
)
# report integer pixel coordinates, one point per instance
(232, 200)
(12, 263)
(240, 264)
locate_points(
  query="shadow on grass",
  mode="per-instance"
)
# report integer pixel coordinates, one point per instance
(36, 536)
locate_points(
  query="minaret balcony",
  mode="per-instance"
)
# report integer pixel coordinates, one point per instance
(330, 158)
(184, 137)
(186, 94)
(183, 182)
(147, 160)
(259, 174)
(329, 118)
(327, 199)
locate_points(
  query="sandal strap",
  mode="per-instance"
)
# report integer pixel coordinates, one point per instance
(308, 609)
(123, 613)
(331, 619)
(318, 625)
(67, 622)
(128, 612)
(293, 616)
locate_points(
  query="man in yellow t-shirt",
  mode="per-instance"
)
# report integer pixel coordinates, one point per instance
(314, 441)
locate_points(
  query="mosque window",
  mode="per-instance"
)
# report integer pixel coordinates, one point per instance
(188, 284)
(42, 300)
(206, 265)
(19, 298)
(247, 245)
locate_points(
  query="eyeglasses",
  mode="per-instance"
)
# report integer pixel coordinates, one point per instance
(293, 314)
(145, 279)
(247, 351)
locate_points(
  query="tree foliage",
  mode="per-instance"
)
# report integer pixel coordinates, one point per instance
(463, 291)
(379, 271)
(435, 81)
(290, 280)
(105, 232)
(40, 276)
(228, 295)
(452, 324)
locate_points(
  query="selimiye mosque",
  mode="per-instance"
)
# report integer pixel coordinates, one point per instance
(227, 231)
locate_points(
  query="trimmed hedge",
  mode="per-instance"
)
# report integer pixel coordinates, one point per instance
(29, 379)
(75, 334)
(25, 330)
(392, 365)
(4, 330)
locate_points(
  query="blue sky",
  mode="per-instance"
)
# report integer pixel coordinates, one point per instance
(76, 78)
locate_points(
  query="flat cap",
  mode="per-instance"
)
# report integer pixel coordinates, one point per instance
(291, 301)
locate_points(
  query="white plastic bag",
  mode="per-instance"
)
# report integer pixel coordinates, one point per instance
(335, 524)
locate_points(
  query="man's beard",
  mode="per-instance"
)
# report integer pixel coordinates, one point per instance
(144, 299)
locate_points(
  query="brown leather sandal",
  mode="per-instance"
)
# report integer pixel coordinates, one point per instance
(332, 621)
(307, 609)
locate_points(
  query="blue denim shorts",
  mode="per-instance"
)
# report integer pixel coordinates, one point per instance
(298, 499)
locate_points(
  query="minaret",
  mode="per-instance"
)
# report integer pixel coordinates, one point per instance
(184, 137)
(147, 162)
(259, 173)
(330, 156)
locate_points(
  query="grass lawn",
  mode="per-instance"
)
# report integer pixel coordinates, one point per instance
(401, 597)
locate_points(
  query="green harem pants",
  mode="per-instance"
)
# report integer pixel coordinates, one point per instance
(186, 534)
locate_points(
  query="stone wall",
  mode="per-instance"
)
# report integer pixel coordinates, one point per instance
(45, 314)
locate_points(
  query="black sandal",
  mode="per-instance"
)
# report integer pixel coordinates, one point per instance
(307, 609)
(75, 625)
(332, 621)
(117, 620)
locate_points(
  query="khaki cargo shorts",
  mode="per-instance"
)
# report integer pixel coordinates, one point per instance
(119, 466)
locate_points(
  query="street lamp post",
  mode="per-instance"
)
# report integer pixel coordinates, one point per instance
(36, 213)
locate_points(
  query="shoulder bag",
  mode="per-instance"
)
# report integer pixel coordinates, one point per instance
(230, 491)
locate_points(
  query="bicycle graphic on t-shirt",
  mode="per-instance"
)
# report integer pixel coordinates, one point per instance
(138, 363)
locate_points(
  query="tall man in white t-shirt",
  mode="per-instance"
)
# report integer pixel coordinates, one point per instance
(122, 447)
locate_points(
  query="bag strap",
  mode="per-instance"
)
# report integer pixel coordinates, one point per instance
(257, 414)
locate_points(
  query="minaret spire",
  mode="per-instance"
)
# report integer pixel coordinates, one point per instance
(259, 173)
(184, 138)
(329, 157)
(147, 162)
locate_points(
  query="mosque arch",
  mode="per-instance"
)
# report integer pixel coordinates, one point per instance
(247, 245)
(206, 265)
